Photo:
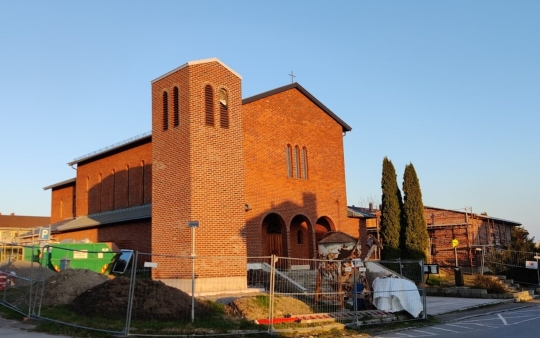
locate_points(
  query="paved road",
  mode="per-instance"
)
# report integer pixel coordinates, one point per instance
(521, 323)
(18, 329)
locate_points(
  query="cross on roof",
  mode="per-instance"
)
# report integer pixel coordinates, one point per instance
(292, 76)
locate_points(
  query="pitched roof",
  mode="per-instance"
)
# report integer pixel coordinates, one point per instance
(337, 237)
(195, 62)
(296, 85)
(125, 143)
(109, 217)
(500, 220)
(16, 221)
(357, 212)
(59, 184)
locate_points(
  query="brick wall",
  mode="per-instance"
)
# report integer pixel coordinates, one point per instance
(198, 169)
(63, 202)
(115, 180)
(133, 235)
(270, 124)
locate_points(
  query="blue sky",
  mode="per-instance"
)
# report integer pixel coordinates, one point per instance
(452, 87)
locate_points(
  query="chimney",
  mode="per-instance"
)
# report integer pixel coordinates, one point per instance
(12, 214)
(370, 206)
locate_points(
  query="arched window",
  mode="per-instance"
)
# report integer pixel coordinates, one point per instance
(209, 105)
(300, 237)
(288, 155)
(100, 180)
(304, 163)
(165, 111)
(113, 193)
(143, 181)
(223, 108)
(127, 185)
(297, 161)
(176, 118)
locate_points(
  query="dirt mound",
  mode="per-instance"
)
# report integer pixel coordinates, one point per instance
(256, 307)
(64, 286)
(29, 270)
(152, 300)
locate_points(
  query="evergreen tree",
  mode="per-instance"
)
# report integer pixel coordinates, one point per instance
(520, 240)
(390, 212)
(416, 239)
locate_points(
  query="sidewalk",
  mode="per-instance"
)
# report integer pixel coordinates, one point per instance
(19, 329)
(442, 305)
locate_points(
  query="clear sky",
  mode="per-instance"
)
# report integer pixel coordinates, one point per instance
(452, 87)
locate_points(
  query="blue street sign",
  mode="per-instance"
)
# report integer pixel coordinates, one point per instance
(44, 234)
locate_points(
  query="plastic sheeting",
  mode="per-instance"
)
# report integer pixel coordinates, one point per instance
(397, 294)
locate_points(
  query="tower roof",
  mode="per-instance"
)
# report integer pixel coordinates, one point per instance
(196, 62)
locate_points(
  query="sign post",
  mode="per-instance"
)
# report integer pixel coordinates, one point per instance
(193, 225)
(455, 243)
(537, 271)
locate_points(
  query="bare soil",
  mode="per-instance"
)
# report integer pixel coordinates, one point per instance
(91, 294)
(27, 270)
(63, 287)
(256, 307)
(152, 300)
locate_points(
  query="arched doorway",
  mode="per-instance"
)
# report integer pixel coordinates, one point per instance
(273, 233)
(301, 238)
(323, 225)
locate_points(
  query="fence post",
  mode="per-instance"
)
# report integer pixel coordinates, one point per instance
(131, 293)
(273, 260)
(355, 297)
(423, 289)
(483, 258)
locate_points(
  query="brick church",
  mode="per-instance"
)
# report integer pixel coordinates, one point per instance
(262, 175)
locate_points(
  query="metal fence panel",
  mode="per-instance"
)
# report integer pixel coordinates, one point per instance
(512, 264)
(342, 291)
(167, 295)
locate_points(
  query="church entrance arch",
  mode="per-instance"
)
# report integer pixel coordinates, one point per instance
(301, 238)
(273, 233)
(322, 226)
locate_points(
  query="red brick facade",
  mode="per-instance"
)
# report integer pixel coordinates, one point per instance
(119, 180)
(198, 173)
(471, 231)
(264, 175)
(63, 202)
(312, 191)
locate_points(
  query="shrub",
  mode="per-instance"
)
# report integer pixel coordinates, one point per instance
(491, 284)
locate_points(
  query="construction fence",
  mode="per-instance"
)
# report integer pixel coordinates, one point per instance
(142, 294)
(521, 266)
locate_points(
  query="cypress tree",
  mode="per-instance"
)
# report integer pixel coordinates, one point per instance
(390, 212)
(416, 238)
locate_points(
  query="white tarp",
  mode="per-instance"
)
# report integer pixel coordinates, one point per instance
(397, 294)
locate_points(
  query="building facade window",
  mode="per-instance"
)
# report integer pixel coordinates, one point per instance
(300, 237)
(113, 193)
(176, 113)
(165, 111)
(304, 163)
(209, 105)
(297, 162)
(143, 181)
(288, 155)
(100, 186)
(223, 108)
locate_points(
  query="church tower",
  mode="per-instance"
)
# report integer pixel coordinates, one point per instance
(198, 175)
